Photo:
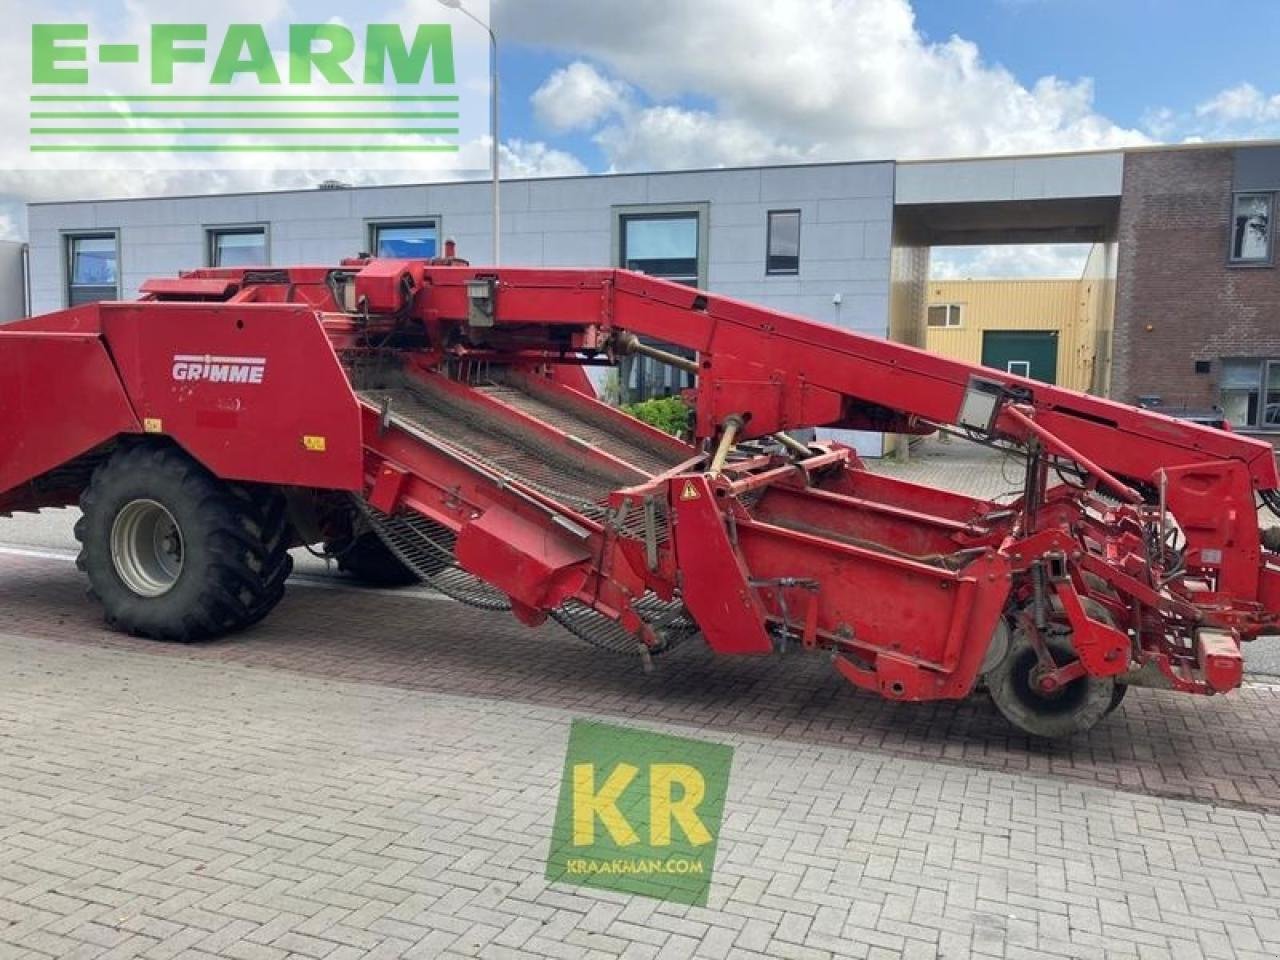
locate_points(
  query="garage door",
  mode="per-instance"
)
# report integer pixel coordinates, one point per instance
(1027, 353)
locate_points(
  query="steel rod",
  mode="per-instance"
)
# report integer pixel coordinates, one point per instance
(728, 439)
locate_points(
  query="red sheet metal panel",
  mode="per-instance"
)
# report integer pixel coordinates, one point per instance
(59, 398)
(254, 392)
(218, 289)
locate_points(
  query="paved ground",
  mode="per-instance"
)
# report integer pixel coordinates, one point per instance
(375, 775)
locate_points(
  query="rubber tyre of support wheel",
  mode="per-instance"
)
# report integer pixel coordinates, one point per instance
(1074, 709)
(231, 562)
(369, 560)
(272, 511)
(1117, 697)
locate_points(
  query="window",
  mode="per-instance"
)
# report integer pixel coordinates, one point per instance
(944, 315)
(405, 241)
(238, 247)
(784, 242)
(1250, 391)
(1251, 229)
(662, 245)
(664, 242)
(93, 272)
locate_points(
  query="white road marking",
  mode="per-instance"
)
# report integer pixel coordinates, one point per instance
(299, 578)
(38, 554)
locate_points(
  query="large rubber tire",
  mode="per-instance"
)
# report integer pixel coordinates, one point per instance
(1075, 708)
(370, 561)
(231, 562)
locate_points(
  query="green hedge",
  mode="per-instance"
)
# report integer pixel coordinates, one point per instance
(669, 414)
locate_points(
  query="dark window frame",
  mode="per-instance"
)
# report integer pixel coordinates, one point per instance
(628, 217)
(950, 305)
(645, 372)
(1265, 365)
(213, 232)
(769, 269)
(1270, 258)
(373, 226)
(69, 240)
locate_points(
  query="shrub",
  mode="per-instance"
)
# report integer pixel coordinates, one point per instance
(669, 414)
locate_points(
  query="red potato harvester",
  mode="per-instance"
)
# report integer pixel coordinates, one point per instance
(431, 420)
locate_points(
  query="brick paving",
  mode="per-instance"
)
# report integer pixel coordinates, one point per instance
(1219, 749)
(375, 774)
(188, 806)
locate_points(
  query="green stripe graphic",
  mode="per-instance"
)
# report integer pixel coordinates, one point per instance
(243, 148)
(237, 115)
(244, 98)
(237, 131)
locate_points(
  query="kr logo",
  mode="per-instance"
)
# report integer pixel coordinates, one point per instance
(639, 812)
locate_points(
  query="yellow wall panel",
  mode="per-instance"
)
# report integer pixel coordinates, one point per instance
(1068, 306)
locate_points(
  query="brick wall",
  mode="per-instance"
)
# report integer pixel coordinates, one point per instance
(1177, 300)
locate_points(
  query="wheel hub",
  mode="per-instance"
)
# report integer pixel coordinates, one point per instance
(147, 549)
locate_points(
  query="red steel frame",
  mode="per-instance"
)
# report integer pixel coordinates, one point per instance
(905, 585)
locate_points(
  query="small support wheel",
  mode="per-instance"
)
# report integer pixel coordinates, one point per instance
(1071, 709)
(1117, 697)
(367, 559)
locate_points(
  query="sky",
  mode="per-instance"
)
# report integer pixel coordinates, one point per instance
(591, 86)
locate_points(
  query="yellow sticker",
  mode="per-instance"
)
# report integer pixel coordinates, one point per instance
(690, 492)
(314, 444)
(153, 425)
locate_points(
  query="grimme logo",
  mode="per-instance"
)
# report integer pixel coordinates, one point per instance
(297, 88)
(246, 370)
(639, 812)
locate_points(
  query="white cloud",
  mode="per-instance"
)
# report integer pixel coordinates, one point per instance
(1037, 260)
(9, 228)
(578, 96)
(806, 79)
(672, 137)
(1242, 112)
(1243, 102)
(521, 158)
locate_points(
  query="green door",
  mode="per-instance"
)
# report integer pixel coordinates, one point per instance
(1027, 353)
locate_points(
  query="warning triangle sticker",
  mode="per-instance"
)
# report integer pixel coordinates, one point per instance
(690, 492)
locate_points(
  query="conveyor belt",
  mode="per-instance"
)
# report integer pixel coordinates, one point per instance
(634, 449)
(581, 484)
(506, 447)
(427, 548)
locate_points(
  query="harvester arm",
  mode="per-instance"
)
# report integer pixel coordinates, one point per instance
(760, 371)
(780, 372)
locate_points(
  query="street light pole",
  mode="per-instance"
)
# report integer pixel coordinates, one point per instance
(493, 124)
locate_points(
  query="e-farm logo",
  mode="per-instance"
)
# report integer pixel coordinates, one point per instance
(315, 88)
(639, 812)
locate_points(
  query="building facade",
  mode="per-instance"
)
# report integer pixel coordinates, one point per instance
(13, 280)
(1180, 300)
(1032, 328)
(1056, 331)
(1198, 308)
(787, 237)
